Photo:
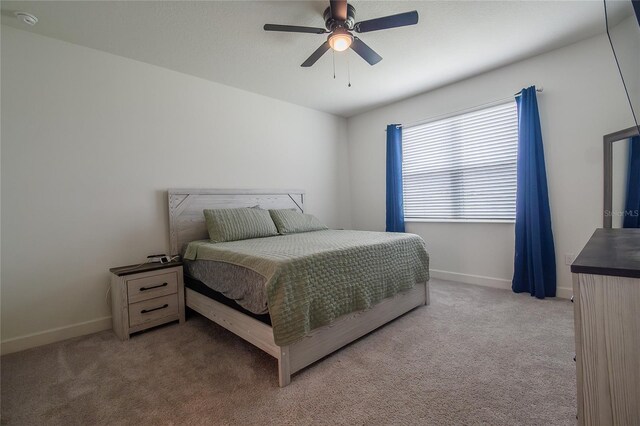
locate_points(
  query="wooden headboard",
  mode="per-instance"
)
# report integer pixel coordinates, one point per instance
(186, 220)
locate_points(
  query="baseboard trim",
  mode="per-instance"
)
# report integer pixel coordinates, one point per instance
(53, 335)
(561, 292)
(564, 293)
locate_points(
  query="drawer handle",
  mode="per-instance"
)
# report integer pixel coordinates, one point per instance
(153, 286)
(146, 311)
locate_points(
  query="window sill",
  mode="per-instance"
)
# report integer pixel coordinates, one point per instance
(417, 220)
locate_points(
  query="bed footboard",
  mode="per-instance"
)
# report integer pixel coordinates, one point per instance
(325, 340)
(320, 342)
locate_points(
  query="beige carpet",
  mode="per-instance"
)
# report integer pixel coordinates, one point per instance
(474, 356)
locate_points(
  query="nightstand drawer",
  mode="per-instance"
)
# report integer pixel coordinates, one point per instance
(153, 309)
(150, 287)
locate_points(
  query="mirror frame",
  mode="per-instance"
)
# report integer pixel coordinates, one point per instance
(608, 170)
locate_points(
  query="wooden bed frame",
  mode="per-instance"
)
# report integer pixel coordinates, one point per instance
(186, 223)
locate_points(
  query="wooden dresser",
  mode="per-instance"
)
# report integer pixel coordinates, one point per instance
(606, 289)
(146, 296)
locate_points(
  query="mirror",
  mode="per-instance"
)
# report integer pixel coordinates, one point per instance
(623, 29)
(619, 183)
(622, 179)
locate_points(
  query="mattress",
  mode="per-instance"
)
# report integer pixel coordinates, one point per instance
(202, 288)
(242, 285)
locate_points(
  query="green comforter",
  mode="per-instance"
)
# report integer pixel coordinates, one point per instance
(316, 277)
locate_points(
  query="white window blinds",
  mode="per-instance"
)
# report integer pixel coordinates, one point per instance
(462, 167)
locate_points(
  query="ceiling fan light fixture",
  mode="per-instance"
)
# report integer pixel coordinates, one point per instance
(339, 21)
(340, 40)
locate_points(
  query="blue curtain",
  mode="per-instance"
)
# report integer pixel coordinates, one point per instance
(535, 259)
(632, 203)
(395, 209)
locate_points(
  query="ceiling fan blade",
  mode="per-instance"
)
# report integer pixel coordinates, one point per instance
(293, 29)
(316, 55)
(391, 21)
(367, 53)
(338, 9)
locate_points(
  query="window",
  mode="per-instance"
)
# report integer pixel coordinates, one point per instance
(462, 168)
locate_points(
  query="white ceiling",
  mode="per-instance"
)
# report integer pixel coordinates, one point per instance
(223, 41)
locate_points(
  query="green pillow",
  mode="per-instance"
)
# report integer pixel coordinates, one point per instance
(290, 221)
(238, 224)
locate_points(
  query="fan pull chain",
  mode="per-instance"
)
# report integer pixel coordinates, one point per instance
(348, 70)
(334, 63)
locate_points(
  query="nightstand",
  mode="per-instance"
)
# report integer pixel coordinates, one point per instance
(146, 296)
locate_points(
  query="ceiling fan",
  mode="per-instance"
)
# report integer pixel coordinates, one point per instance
(340, 23)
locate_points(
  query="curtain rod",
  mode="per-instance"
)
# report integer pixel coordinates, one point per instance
(497, 101)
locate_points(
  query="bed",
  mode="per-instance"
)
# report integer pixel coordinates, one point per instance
(291, 338)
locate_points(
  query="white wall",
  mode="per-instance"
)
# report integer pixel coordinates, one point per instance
(90, 143)
(583, 100)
